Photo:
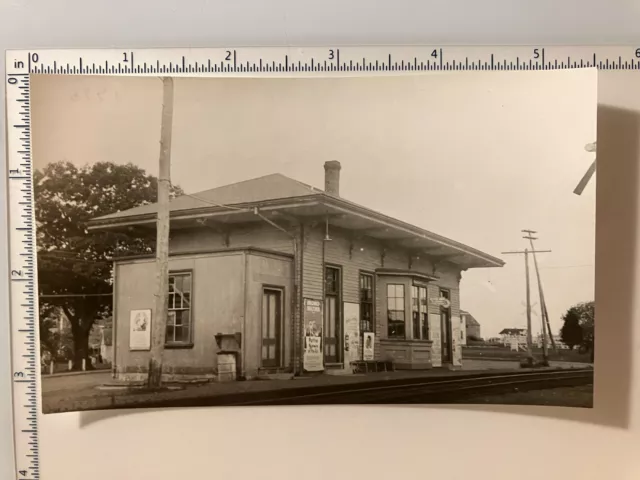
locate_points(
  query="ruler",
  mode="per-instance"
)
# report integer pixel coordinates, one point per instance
(203, 62)
(332, 60)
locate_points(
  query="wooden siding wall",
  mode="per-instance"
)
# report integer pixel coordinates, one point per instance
(263, 236)
(366, 255)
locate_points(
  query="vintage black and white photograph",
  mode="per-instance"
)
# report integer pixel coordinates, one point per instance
(400, 239)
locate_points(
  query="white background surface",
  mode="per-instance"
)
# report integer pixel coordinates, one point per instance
(362, 442)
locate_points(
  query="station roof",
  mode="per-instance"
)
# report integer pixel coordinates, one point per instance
(469, 319)
(283, 200)
(512, 331)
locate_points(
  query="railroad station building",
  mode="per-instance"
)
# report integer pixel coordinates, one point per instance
(289, 278)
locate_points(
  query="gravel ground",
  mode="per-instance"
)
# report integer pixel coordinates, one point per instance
(579, 397)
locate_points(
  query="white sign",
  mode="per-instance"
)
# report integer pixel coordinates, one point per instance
(351, 332)
(436, 346)
(140, 330)
(456, 344)
(313, 359)
(440, 301)
(368, 347)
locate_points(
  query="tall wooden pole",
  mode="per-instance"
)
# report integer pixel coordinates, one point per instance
(546, 325)
(526, 253)
(526, 270)
(158, 324)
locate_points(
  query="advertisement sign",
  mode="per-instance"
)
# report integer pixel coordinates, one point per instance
(351, 332)
(434, 334)
(140, 330)
(455, 339)
(312, 321)
(440, 302)
(367, 348)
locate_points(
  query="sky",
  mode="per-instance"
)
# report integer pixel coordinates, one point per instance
(474, 156)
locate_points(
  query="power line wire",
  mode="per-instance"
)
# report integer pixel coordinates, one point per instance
(565, 266)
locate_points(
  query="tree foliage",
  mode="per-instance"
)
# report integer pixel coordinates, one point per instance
(578, 327)
(571, 331)
(75, 265)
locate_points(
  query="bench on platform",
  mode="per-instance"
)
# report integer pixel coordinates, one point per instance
(370, 366)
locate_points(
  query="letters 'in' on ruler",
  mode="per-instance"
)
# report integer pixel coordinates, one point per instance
(218, 62)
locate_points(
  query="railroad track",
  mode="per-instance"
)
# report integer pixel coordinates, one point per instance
(410, 391)
(439, 391)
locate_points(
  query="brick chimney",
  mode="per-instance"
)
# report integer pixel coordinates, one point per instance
(332, 177)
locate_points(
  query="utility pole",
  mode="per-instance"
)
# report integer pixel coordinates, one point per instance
(158, 324)
(543, 303)
(526, 253)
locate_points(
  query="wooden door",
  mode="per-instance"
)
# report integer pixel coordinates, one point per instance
(446, 330)
(331, 330)
(271, 328)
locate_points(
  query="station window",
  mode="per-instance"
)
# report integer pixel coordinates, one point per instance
(395, 311)
(419, 307)
(366, 302)
(179, 329)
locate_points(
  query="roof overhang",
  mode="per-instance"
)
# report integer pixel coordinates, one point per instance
(357, 221)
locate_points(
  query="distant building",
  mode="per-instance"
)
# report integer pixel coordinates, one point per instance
(470, 326)
(508, 335)
(557, 340)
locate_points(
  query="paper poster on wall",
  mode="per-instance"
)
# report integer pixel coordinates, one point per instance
(436, 347)
(367, 348)
(351, 332)
(140, 330)
(456, 344)
(312, 321)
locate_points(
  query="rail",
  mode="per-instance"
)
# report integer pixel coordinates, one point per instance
(430, 392)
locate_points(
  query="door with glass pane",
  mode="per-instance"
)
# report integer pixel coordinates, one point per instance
(445, 328)
(332, 315)
(271, 327)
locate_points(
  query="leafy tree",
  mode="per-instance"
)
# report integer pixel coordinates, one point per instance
(587, 322)
(584, 315)
(74, 265)
(571, 331)
(49, 334)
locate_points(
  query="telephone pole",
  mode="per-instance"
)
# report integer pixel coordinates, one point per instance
(546, 325)
(526, 253)
(158, 324)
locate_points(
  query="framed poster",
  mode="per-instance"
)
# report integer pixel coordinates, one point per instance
(351, 332)
(313, 321)
(436, 347)
(368, 347)
(456, 344)
(140, 330)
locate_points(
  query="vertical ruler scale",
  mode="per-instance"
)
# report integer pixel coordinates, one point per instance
(24, 335)
(329, 61)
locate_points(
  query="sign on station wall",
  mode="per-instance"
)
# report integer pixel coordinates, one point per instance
(140, 330)
(456, 343)
(351, 332)
(313, 358)
(369, 346)
(434, 336)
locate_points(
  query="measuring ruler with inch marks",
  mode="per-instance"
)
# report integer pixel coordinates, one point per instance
(204, 62)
